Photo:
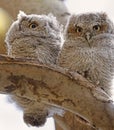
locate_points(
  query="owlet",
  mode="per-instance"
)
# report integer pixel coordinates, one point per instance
(37, 37)
(89, 48)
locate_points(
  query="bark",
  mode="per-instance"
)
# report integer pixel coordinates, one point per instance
(70, 121)
(56, 86)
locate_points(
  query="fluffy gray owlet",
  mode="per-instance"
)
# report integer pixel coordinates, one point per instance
(37, 37)
(89, 48)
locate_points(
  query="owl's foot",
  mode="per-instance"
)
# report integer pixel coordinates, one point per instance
(85, 74)
(81, 73)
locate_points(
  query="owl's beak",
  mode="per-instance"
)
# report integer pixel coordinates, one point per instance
(88, 36)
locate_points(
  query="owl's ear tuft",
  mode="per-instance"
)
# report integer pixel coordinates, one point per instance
(54, 23)
(72, 19)
(103, 15)
(21, 15)
(52, 19)
(51, 16)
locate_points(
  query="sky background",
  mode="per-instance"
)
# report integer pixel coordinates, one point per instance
(10, 116)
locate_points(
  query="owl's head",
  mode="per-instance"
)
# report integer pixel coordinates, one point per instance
(34, 25)
(89, 25)
(34, 36)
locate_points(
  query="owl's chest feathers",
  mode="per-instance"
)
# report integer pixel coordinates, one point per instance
(95, 61)
(95, 64)
(91, 58)
(45, 52)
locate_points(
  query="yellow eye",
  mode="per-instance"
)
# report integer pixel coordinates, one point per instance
(78, 29)
(96, 27)
(33, 25)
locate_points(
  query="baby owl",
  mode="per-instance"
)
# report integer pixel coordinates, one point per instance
(89, 48)
(37, 37)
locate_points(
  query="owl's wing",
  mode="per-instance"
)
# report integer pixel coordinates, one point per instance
(71, 122)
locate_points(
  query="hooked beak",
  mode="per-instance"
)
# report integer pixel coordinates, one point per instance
(88, 37)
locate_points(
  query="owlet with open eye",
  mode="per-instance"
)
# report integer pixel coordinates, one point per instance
(40, 38)
(89, 49)
(36, 37)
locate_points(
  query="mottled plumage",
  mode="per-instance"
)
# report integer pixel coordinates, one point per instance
(89, 48)
(37, 37)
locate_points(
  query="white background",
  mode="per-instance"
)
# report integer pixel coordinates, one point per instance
(10, 116)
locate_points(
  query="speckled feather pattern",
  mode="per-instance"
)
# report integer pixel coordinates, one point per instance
(43, 42)
(94, 60)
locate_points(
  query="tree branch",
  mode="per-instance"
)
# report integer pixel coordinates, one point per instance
(56, 86)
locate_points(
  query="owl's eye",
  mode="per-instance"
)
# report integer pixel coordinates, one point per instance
(33, 25)
(96, 27)
(78, 29)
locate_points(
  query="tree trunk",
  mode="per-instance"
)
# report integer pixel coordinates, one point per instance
(68, 91)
